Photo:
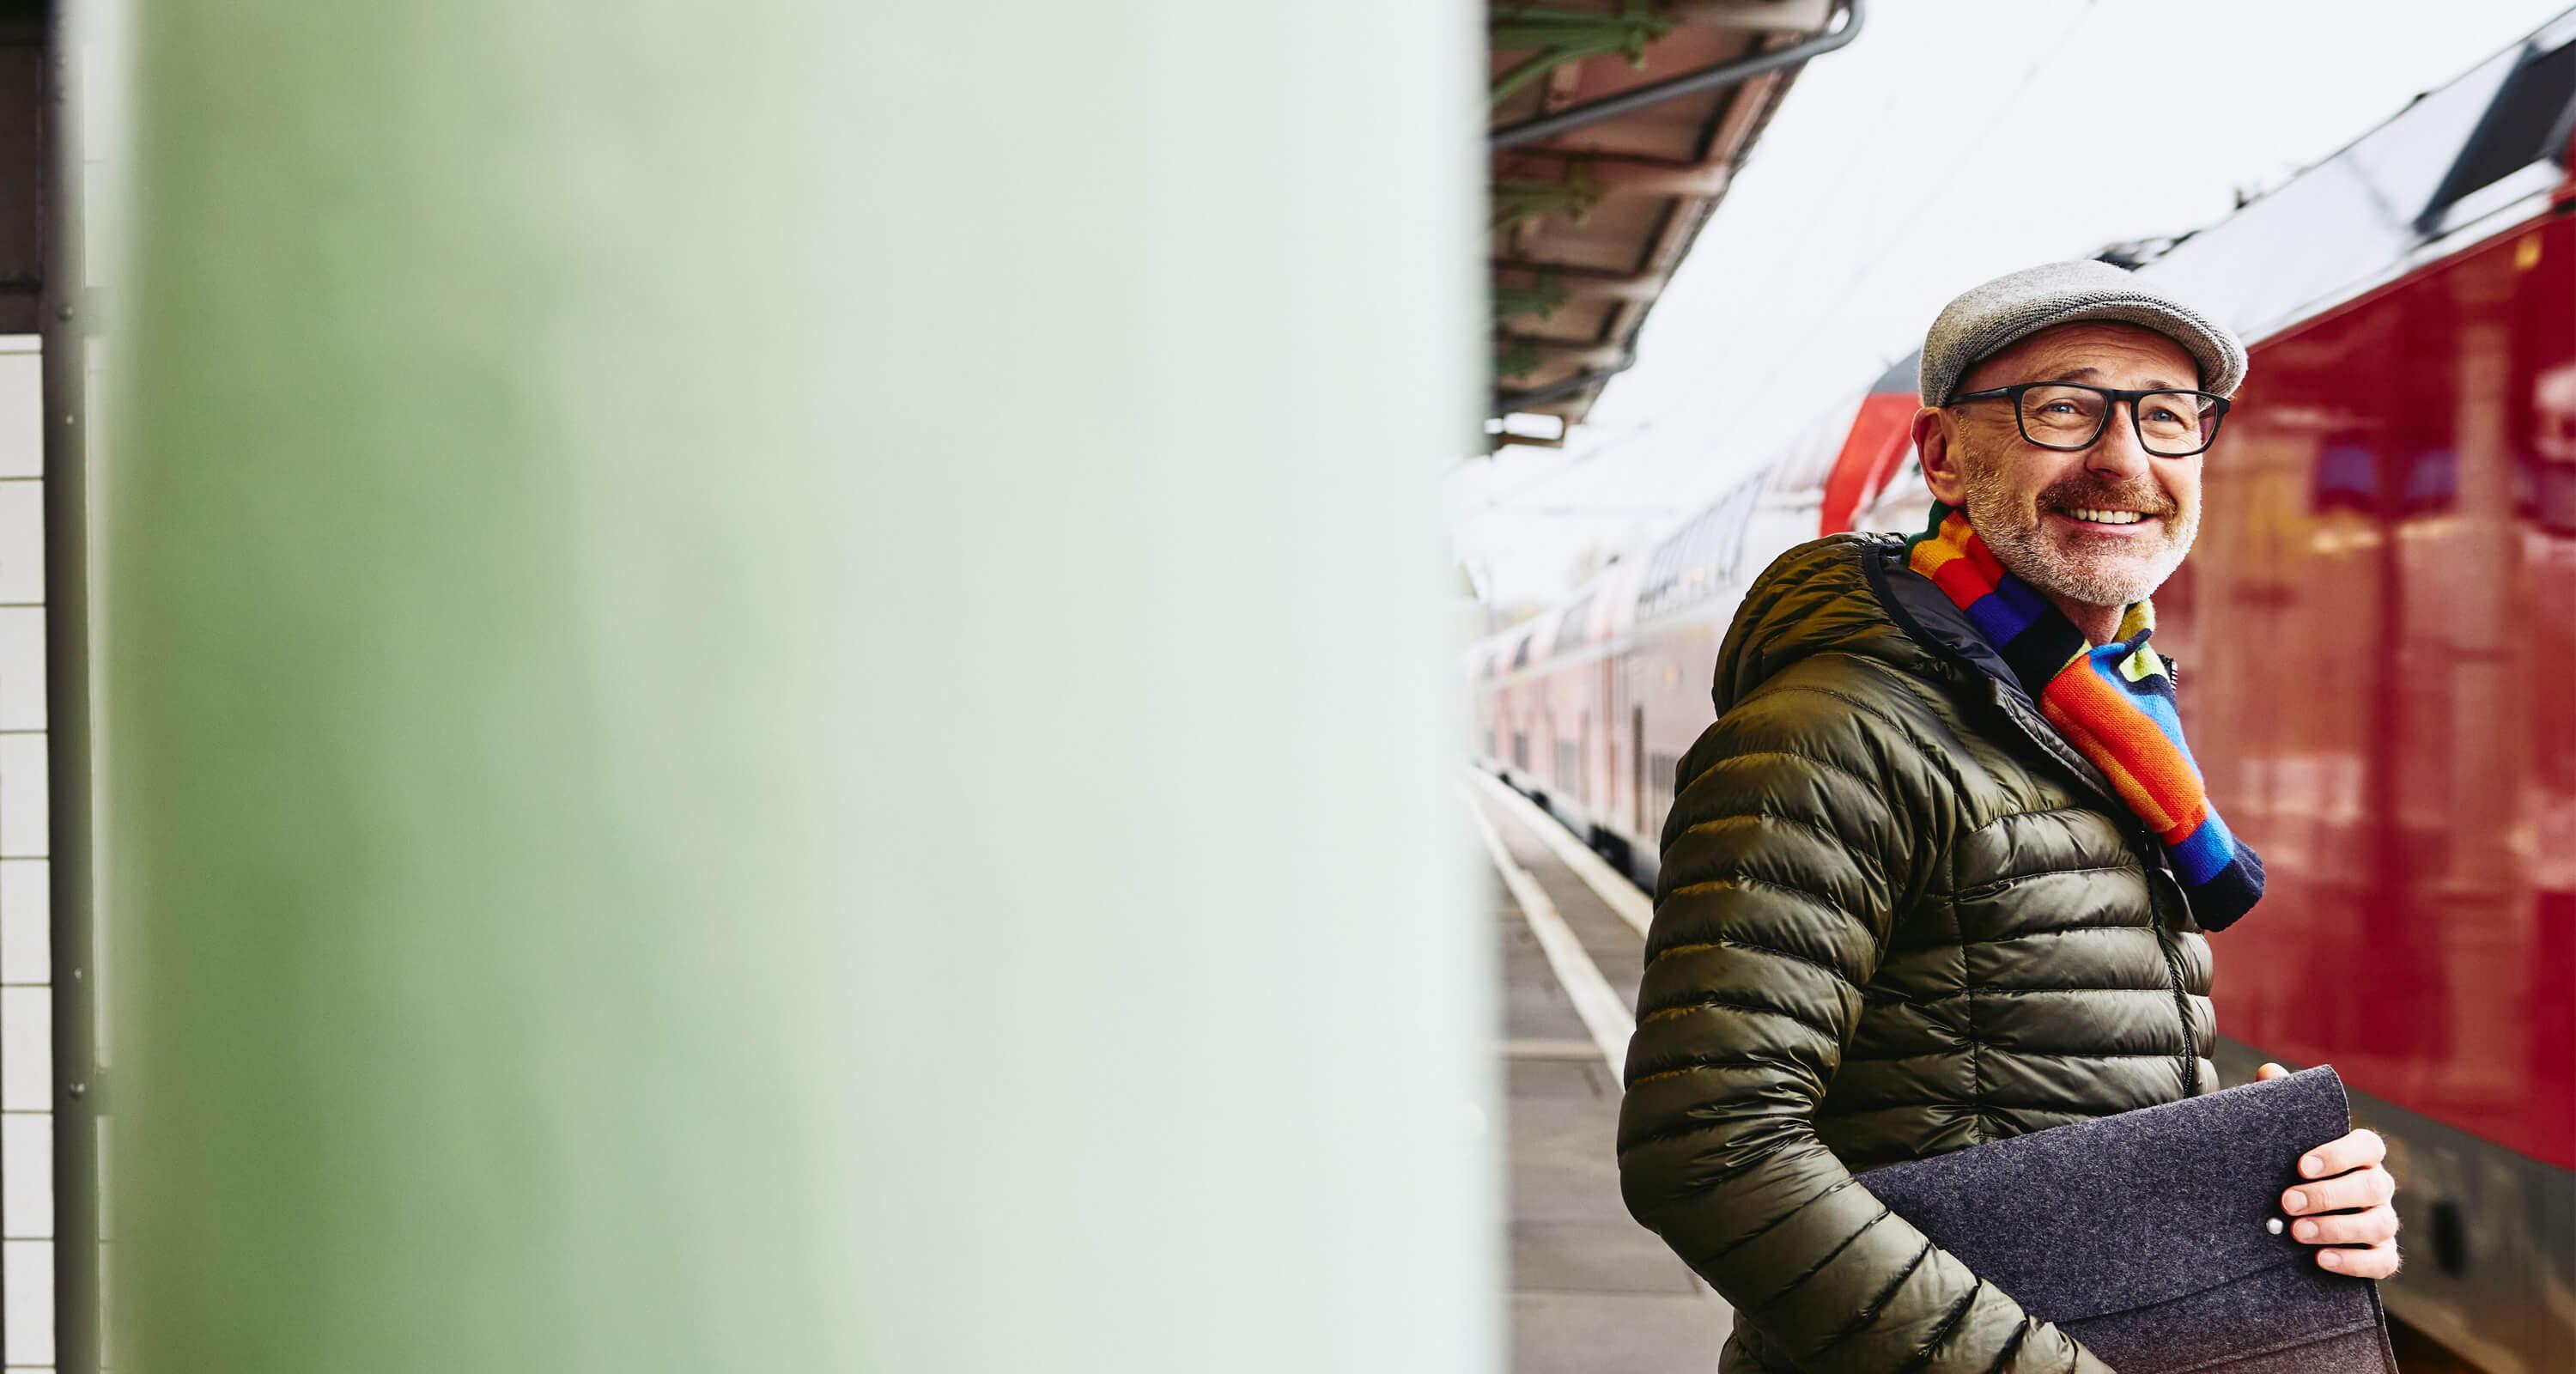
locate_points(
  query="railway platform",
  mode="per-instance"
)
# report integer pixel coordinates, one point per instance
(1592, 1292)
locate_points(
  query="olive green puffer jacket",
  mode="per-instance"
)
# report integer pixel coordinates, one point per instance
(1898, 915)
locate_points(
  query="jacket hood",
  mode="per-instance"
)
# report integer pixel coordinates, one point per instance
(1853, 594)
(1820, 596)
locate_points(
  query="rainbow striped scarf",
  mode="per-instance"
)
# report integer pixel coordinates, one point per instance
(2114, 703)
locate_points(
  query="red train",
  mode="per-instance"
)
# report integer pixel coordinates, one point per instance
(2378, 639)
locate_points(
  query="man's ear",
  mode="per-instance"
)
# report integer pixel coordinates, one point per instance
(1932, 433)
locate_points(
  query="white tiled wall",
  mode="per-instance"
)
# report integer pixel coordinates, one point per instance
(26, 958)
(27, 1272)
(22, 543)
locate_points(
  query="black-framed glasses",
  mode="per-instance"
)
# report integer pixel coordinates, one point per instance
(2070, 415)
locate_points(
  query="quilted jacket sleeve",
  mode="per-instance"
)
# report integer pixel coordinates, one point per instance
(1803, 822)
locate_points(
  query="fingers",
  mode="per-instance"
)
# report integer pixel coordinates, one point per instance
(2360, 1236)
(2377, 1262)
(2348, 1228)
(2358, 1150)
(2371, 1187)
(2270, 1071)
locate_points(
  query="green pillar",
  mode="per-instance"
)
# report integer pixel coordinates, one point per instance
(773, 693)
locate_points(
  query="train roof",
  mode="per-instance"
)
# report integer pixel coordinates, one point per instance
(2463, 161)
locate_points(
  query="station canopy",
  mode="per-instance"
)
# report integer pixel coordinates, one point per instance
(1615, 128)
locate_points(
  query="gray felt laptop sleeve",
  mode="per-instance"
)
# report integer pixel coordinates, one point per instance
(2143, 1234)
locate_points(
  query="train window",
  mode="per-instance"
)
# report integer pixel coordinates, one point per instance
(2529, 122)
(2432, 481)
(1700, 557)
(2545, 492)
(2347, 478)
(1569, 627)
(1726, 530)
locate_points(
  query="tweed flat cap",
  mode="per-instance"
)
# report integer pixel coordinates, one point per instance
(2017, 305)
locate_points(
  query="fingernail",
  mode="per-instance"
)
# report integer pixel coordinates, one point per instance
(2298, 1200)
(2312, 1166)
(2307, 1230)
(2332, 1259)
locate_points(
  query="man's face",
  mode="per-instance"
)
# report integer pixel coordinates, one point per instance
(2061, 520)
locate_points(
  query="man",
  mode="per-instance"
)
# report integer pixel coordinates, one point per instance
(1939, 873)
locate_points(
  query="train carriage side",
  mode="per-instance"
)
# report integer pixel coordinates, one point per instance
(2379, 664)
(1611, 779)
(2379, 659)
(1573, 699)
(1523, 690)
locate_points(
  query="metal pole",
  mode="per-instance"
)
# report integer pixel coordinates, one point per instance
(1586, 115)
(682, 800)
(65, 326)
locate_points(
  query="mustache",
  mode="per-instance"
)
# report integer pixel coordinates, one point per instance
(2143, 497)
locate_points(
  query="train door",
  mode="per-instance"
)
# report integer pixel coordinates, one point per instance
(1605, 792)
(1583, 761)
(1637, 769)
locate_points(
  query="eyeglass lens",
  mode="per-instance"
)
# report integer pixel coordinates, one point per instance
(2169, 422)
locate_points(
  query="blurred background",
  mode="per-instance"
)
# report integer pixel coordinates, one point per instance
(874, 688)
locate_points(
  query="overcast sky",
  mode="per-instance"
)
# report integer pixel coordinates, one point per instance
(1904, 169)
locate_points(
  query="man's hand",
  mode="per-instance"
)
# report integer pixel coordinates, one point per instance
(2349, 1176)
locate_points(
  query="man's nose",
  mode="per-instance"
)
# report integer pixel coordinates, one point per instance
(2118, 453)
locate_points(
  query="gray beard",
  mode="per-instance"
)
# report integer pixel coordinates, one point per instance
(2025, 549)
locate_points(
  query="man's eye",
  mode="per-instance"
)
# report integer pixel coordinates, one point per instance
(2062, 407)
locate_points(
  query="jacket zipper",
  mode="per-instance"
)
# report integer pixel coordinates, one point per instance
(2173, 975)
(2149, 857)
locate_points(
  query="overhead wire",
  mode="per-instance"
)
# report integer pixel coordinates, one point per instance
(1967, 152)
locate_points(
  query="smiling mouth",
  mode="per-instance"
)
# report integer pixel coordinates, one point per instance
(2103, 516)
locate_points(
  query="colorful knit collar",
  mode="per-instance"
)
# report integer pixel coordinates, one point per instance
(2113, 702)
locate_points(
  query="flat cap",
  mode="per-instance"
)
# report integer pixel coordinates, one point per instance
(2019, 304)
